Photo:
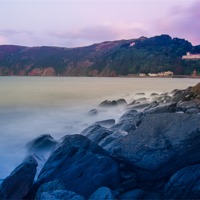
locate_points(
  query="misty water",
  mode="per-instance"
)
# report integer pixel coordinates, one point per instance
(31, 106)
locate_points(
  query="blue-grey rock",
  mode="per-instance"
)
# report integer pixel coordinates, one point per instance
(108, 103)
(81, 165)
(96, 133)
(103, 193)
(161, 145)
(20, 181)
(106, 122)
(163, 108)
(192, 111)
(184, 184)
(61, 195)
(93, 112)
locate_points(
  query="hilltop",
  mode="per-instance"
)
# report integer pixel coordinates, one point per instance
(111, 58)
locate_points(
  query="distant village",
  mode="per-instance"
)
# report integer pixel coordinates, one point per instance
(190, 56)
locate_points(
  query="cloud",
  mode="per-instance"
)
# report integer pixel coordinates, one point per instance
(10, 32)
(182, 22)
(3, 40)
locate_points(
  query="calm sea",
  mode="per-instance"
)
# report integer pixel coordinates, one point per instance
(31, 106)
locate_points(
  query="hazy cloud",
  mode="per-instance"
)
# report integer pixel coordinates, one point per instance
(182, 22)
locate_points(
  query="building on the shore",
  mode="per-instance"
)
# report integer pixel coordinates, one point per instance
(161, 74)
(190, 56)
(141, 75)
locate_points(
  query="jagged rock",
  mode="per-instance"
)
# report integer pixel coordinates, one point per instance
(42, 144)
(161, 145)
(19, 182)
(61, 195)
(81, 165)
(50, 186)
(106, 123)
(184, 184)
(93, 112)
(103, 193)
(96, 133)
(108, 103)
(139, 194)
(182, 95)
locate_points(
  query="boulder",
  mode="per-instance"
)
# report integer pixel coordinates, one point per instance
(139, 194)
(81, 165)
(139, 106)
(50, 186)
(163, 108)
(96, 133)
(103, 193)
(106, 123)
(19, 182)
(184, 184)
(192, 111)
(61, 195)
(189, 104)
(140, 93)
(108, 103)
(42, 144)
(196, 89)
(93, 112)
(161, 145)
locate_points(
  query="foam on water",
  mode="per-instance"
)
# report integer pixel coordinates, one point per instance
(31, 106)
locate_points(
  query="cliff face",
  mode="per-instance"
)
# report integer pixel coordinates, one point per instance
(143, 55)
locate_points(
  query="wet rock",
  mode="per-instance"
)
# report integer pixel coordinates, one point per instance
(103, 193)
(139, 194)
(127, 126)
(19, 182)
(81, 165)
(50, 186)
(96, 133)
(196, 89)
(93, 112)
(61, 195)
(154, 94)
(192, 111)
(182, 95)
(140, 106)
(161, 145)
(184, 184)
(141, 99)
(108, 103)
(188, 104)
(106, 123)
(42, 144)
(140, 93)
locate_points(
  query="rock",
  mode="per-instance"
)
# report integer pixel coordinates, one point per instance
(154, 94)
(50, 186)
(182, 95)
(108, 103)
(140, 106)
(81, 165)
(164, 108)
(126, 126)
(192, 111)
(184, 184)
(61, 195)
(139, 194)
(189, 104)
(93, 112)
(107, 141)
(161, 145)
(96, 133)
(141, 99)
(196, 89)
(42, 144)
(106, 123)
(140, 93)
(19, 182)
(103, 193)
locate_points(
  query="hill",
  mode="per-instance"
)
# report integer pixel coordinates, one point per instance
(113, 58)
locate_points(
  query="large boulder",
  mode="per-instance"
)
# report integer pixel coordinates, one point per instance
(61, 195)
(108, 103)
(81, 165)
(20, 181)
(106, 122)
(184, 184)
(96, 133)
(42, 144)
(102, 193)
(162, 144)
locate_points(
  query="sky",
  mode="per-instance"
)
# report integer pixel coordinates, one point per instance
(75, 23)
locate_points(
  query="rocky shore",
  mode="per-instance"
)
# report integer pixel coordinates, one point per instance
(151, 152)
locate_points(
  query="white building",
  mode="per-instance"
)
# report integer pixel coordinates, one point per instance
(190, 56)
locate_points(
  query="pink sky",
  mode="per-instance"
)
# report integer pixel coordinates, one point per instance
(71, 23)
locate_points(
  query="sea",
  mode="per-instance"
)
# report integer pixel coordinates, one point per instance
(59, 106)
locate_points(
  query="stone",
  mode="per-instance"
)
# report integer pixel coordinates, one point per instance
(20, 181)
(184, 184)
(103, 193)
(161, 145)
(50, 186)
(140, 93)
(108, 103)
(163, 108)
(196, 89)
(93, 112)
(154, 94)
(192, 111)
(139, 194)
(81, 165)
(96, 133)
(184, 105)
(61, 195)
(42, 144)
(106, 123)
(139, 106)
